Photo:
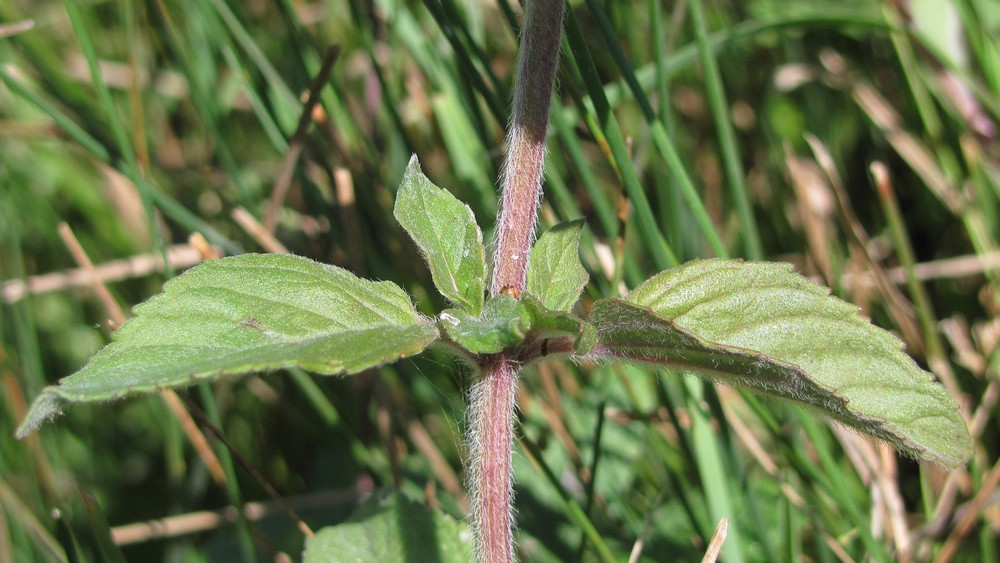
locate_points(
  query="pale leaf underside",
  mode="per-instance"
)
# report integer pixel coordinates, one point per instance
(245, 314)
(761, 326)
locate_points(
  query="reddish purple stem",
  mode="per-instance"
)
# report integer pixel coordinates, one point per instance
(525, 156)
(493, 399)
(492, 441)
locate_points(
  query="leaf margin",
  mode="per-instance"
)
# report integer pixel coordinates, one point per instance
(419, 334)
(556, 276)
(950, 448)
(458, 273)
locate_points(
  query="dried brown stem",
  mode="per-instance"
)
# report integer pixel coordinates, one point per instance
(180, 256)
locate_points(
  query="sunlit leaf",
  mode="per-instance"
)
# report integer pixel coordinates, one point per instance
(244, 314)
(555, 275)
(762, 327)
(507, 322)
(503, 323)
(446, 232)
(547, 323)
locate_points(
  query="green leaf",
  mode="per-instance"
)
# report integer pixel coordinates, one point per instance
(507, 322)
(555, 275)
(504, 322)
(392, 530)
(546, 323)
(762, 327)
(446, 232)
(243, 314)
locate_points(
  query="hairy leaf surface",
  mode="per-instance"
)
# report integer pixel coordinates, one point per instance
(504, 323)
(243, 314)
(761, 326)
(555, 275)
(507, 322)
(446, 232)
(547, 323)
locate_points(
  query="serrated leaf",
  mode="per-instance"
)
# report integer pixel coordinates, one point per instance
(446, 232)
(504, 322)
(762, 327)
(243, 314)
(391, 530)
(555, 275)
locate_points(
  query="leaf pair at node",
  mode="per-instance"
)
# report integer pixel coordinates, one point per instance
(754, 325)
(446, 232)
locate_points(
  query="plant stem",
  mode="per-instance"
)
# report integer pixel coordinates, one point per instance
(493, 398)
(491, 441)
(525, 156)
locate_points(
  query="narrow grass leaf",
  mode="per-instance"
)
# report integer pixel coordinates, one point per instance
(555, 275)
(245, 314)
(762, 327)
(445, 229)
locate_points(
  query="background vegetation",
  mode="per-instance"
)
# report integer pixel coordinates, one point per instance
(681, 129)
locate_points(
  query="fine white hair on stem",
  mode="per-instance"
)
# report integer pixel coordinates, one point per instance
(521, 176)
(493, 398)
(490, 441)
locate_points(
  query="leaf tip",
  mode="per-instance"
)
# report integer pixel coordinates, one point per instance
(412, 168)
(45, 408)
(412, 175)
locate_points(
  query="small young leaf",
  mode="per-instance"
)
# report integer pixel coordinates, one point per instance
(555, 275)
(392, 529)
(446, 232)
(507, 322)
(546, 323)
(243, 314)
(504, 323)
(762, 327)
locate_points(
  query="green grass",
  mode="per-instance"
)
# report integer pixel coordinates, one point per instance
(140, 124)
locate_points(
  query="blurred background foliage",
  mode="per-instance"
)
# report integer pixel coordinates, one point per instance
(854, 139)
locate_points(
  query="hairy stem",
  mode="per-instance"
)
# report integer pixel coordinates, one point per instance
(493, 399)
(525, 156)
(491, 441)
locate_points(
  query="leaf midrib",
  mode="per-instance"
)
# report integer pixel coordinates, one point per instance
(231, 352)
(440, 243)
(337, 293)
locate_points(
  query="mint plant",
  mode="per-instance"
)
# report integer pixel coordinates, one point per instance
(753, 325)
